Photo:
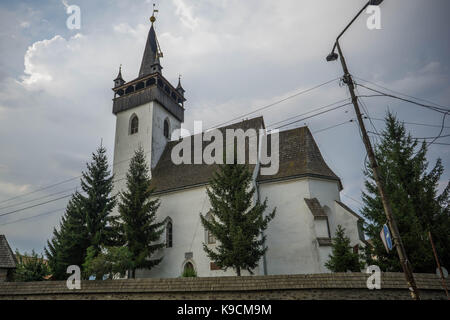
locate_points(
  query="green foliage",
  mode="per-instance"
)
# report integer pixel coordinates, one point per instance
(342, 257)
(87, 221)
(415, 202)
(189, 273)
(69, 243)
(236, 223)
(30, 268)
(110, 261)
(139, 230)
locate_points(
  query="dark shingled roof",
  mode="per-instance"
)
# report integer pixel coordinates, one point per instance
(299, 156)
(7, 258)
(150, 56)
(349, 210)
(315, 208)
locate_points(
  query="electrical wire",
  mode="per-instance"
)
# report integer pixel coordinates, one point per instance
(273, 104)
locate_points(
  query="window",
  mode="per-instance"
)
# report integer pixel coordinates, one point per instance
(134, 124)
(166, 128)
(210, 239)
(169, 234)
(189, 267)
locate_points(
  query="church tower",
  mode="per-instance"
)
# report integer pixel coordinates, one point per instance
(147, 109)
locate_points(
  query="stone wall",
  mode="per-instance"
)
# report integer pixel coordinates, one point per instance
(314, 286)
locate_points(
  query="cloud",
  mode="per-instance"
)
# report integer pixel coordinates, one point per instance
(235, 56)
(11, 188)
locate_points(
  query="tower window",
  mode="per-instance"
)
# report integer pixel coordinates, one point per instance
(166, 128)
(134, 124)
(169, 234)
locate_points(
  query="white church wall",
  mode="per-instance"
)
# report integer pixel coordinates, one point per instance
(326, 192)
(348, 221)
(184, 207)
(321, 228)
(159, 141)
(291, 240)
(126, 143)
(324, 255)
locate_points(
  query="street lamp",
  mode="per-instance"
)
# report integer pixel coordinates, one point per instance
(373, 162)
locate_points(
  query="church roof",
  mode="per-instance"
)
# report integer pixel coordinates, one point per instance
(151, 54)
(7, 258)
(315, 208)
(299, 157)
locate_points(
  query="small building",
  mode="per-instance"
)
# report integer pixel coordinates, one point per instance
(8, 261)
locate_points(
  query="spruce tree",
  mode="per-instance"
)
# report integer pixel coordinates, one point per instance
(342, 257)
(97, 202)
(236, 223)
(69, 243)
(416, 204)
(87, 220)
(138, 214)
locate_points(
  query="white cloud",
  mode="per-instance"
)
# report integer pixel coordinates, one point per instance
(11, 188)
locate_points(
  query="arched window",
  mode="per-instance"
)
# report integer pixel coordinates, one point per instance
(210, 239)
(188, 266)
(134, 124)
(166, 128)
(169, 234)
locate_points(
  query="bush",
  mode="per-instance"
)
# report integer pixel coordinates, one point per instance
(189, 273)
(30, 268)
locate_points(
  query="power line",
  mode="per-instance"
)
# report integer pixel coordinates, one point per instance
(40, 189)
(273, 104)
(36, 205)
(32, 217)
(332, 127)
(308, 112)
(403, 94)
(415, 123)
(418, 138)
(437, 109)
(311, 116)
(35, 199)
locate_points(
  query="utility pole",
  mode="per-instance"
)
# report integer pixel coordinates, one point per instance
(376, 174)
(444, 284)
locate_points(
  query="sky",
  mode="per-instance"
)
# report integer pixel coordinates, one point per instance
(233, 56)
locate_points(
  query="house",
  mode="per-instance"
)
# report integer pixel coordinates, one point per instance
(8, 261)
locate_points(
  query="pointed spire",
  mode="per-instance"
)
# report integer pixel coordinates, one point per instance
(152, 53)
(179, 87)
(118, 81)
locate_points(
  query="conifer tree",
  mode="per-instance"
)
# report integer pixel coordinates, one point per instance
(137, 211)
(236, 223)
(69, 243)
(87, 220)
(97, 202)
(342, 257)
(416, 204)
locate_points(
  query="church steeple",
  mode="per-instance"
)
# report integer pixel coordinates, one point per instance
(118, 81)
(150, 61)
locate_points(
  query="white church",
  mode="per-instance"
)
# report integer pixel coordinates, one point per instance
(304, 191)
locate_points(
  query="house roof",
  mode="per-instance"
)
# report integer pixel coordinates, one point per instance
(298, 153)
(151, 56)
(349, 210)
(7, 258)
(315, 208)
